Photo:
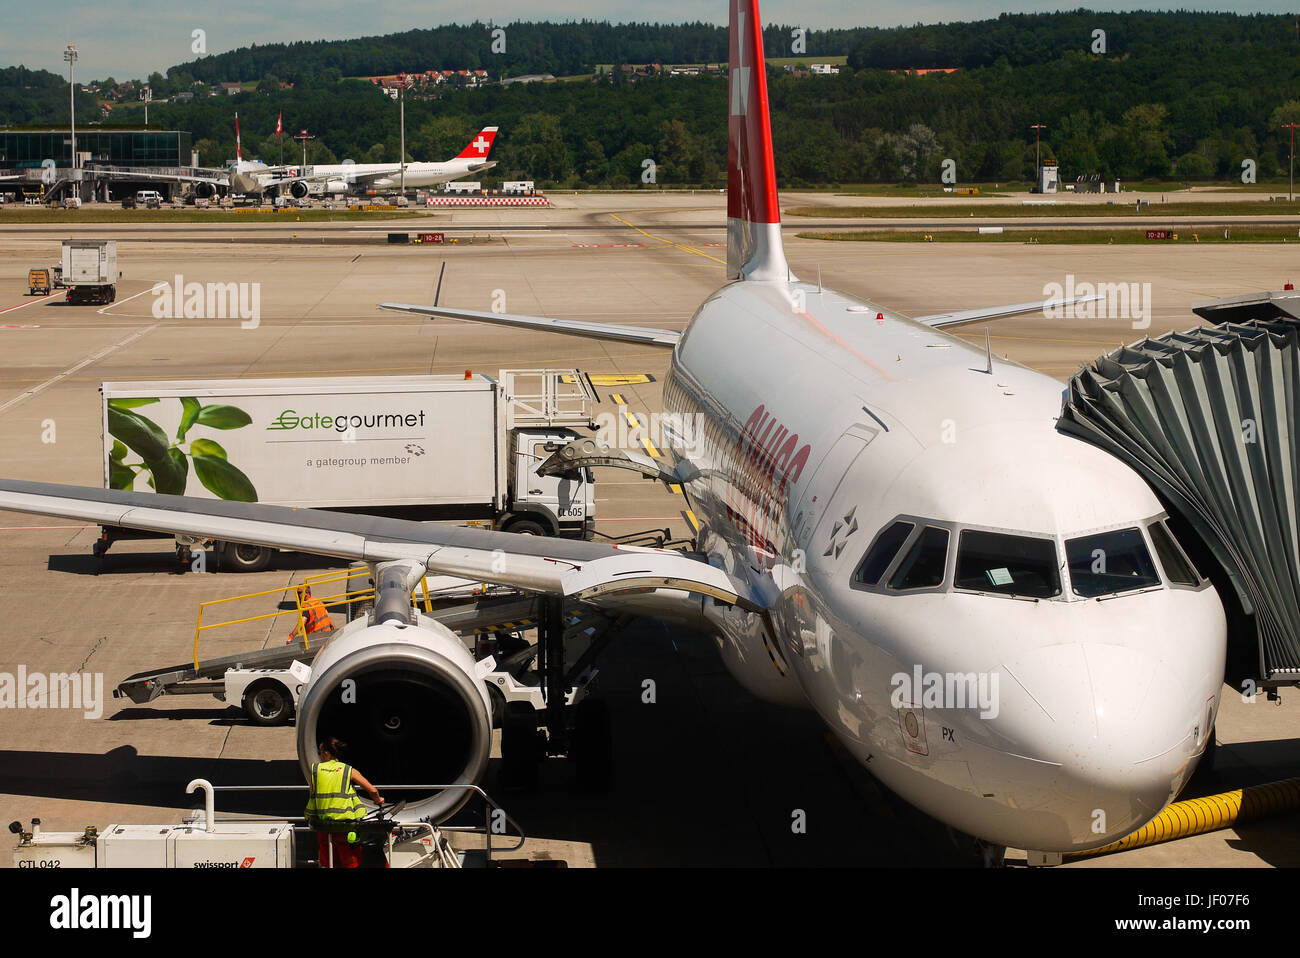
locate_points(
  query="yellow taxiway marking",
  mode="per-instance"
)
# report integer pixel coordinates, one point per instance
(668, 242)
(613, 379)
(646, 444)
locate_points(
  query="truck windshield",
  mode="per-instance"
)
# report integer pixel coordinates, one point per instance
(1109, 562)
(1007, 565)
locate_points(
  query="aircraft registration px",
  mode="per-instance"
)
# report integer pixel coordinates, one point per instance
(993, 617)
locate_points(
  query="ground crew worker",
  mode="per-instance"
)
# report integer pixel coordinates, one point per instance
(315, 617)
(333, 806)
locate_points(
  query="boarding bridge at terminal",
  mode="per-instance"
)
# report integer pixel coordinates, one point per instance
(96, 183)
(1210, 418)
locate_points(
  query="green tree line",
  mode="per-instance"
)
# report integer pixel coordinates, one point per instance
(1176, 96)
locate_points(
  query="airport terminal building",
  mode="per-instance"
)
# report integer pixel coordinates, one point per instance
(26, 151)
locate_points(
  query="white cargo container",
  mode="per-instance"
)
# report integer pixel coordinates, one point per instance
(89, 268)
(427, 448)
(462, 186)
(517, 186)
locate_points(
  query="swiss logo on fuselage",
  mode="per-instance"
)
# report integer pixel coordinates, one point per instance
(769, 458)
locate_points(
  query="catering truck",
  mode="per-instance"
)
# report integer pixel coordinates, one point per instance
(460, 449)
(89, 270)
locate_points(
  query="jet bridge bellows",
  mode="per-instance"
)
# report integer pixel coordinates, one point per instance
(1211, 419)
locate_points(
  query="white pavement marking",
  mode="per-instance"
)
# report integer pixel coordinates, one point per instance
(94, 357)
(129, 298)
(39, 299)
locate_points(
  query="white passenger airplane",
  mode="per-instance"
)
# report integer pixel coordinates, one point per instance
(347, 177)
(883, 507)
(255, 178)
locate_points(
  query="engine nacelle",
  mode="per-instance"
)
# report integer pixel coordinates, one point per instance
(407, 701)
(337, 186)
(299, 190)
(205, 191)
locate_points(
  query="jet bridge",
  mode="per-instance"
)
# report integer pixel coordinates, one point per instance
(1210, 418)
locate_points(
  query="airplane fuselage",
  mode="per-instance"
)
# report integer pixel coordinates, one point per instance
(1060, 721)
(342, 177)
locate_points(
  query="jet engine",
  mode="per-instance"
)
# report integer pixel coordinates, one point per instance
(405, 698)
(337, 186)
(205, 191)
(299, 190)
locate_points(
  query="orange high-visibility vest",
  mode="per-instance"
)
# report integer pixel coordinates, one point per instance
(318, 617)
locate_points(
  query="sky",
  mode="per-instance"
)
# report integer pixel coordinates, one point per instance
(132, 39)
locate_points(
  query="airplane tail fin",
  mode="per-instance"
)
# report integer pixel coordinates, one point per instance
(480, 146)
(754, 249)
(239, 152)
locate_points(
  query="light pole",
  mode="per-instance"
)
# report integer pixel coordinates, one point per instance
(302, 137)
(70, 55)
(148, 98)
(401, 102)
(1290, 192)
(1038, 173)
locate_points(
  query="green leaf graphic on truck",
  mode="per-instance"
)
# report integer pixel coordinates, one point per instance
(166, 462)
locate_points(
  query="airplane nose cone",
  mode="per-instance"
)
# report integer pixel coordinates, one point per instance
(1106, 733)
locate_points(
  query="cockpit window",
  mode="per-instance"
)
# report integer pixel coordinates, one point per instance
(1007, 565)
(1176, 567)
(1109, 562)
(882, 552)
(925, 563)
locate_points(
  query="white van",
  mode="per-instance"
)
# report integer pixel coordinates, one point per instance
(148, 199)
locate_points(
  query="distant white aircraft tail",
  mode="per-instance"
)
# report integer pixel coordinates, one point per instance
(754, 249)
(480, 146)
(239, 152)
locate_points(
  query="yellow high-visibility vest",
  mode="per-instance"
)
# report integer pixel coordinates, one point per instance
(332, 802)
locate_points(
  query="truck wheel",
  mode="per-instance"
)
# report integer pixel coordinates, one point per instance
(592, 746)
(526, 527)
(267, 702)
(241, 557)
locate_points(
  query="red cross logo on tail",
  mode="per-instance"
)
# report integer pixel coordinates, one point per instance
(480, 146)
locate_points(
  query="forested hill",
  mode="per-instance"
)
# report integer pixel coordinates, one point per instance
(565, 49)
(1175, 96)
(1030, 38)
(562, 49)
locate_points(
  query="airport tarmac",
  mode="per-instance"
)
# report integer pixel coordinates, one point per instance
(605, 215)
(706, 775)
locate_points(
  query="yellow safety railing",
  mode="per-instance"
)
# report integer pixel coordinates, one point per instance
(328, 600)
(424, 597)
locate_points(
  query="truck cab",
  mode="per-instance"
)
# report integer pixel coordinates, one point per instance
(548, 505)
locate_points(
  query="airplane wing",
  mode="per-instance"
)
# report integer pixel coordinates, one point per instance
(564, 567)
(612, 331)
(943, 320)
(215, 180)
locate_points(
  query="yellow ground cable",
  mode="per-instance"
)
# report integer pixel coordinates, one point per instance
(1197, 816)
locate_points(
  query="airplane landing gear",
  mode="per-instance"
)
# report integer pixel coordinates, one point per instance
(580, 731)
